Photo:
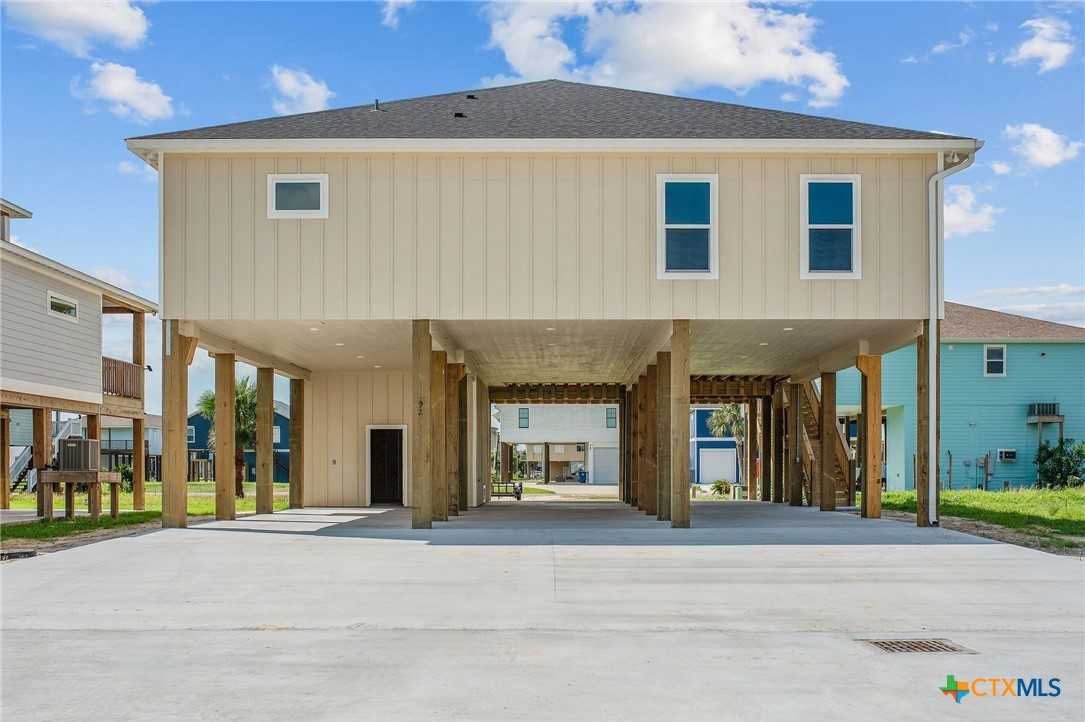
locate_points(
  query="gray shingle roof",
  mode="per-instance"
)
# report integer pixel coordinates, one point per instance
(551, 109)
(971, 323)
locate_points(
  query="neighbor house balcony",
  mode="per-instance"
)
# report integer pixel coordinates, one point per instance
(121, 378)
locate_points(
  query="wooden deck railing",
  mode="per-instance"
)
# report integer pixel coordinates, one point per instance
(121, 378)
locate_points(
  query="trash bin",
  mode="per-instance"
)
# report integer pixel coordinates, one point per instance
(582, 476)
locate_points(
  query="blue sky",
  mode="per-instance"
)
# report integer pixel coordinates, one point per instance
(77, 80)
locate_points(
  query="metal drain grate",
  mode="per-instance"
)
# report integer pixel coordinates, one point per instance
(917, 645)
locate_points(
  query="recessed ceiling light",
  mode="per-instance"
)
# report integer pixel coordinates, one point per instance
(763, 343)
(551, 328)
(551, 344)
(313, 328)
(788, 328)
(340, 343)
(377, 366)
(360, 356)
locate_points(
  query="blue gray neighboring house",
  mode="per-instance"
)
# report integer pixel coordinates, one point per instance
(199, 428)
(711, 458)
(1008, 382)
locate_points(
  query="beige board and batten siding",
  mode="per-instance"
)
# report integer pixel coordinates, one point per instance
(43, 353)
(572, 236)
(338, 407)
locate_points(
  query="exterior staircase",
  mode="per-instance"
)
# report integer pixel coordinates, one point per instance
(843, 469)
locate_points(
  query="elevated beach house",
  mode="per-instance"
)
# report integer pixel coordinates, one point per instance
(408, 263)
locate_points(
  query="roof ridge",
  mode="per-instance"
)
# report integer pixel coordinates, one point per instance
(1030, 319)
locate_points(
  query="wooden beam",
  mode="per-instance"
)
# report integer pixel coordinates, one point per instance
(421, 426)
(827, 440)
(778, 446)
(870, 429)
(139, 327)
(21, 400)
(680, 341)
(265, 449)
(650, 449)
(297, 443)
(174, 426)
(438, 381)
(5, 461)
(663, 435)
(642, 441)
(794, 444)
(453, 376)
(139, 465)
(765, 448)
(225, 436)
(923, 471)
(216, 343)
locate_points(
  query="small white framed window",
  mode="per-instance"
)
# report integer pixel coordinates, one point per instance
(523, 417)
(297, 195)
(190, 435)
(57, 304)
(687, 226)
(830, 240)
(275, 434)
(994, 359)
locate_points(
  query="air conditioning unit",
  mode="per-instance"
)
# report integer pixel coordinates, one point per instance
(78, 455)
(1007, 454)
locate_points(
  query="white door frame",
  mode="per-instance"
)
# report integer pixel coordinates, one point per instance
(368, 498)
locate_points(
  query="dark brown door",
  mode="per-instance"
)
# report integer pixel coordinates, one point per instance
(386, 466)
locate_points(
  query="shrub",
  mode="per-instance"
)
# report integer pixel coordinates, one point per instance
(126, 477)
(721, 487)
(1060, 465)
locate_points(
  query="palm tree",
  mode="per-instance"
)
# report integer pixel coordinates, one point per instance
(244, 425)
(730, 420)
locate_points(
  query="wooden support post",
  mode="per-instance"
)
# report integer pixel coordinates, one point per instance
(680, 516)
(751, 449)
(546, 462)
(778, 446)
(765, 448)
(297, 443)
(69, 501)
(175, 348)
(438, 381)
(453, 375)
(5, 461)
(794, 446)
(923, 471)
(642, 442)
(634, 444)
(827, 436)
(94, 500)
(225, 436)
(623, 467)
(42, 455)
(139, 465)
(114, 501)
(870, 430)
(663, 436)
(652, 467)
(265, 449)
(421, 426)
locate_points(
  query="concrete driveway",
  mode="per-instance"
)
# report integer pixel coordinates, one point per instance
(540, 611)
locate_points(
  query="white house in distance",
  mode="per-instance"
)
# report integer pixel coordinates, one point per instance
(565, 437)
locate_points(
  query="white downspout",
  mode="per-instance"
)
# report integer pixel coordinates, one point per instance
(935, 232)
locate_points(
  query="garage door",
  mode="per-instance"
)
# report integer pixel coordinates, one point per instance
(605, 461)
(718, 464)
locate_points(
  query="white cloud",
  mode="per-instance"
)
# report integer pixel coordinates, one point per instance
(1041, 147)
(298, 91)
(1049, 42)
(991, 27)
(666, 47)
(127, 94)
(789, 97)
(963, 38)
(143, 170)
(77, 26)
(1001, 168)
(1071, 312)
(117, 276)
(1059, 289)
(390, 14)
(964, 215)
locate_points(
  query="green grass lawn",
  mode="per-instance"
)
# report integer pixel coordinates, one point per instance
(41, 530)
(1049, 513)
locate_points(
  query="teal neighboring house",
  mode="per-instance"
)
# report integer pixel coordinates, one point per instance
(1007, 382)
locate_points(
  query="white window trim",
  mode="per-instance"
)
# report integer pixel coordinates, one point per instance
(1005, 360)
(662, 274)
(51, 294)
(804, 227)
(190, 435)
(519, 419)
(274, 178)
(276, 434)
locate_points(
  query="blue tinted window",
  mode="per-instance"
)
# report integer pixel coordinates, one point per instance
(523, 418)
(612, 418)
(830, 249)
(688, 249)
(830, 203)
(687, 204)
(297, 196)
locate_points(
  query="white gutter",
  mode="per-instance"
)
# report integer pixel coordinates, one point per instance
(935, 233)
